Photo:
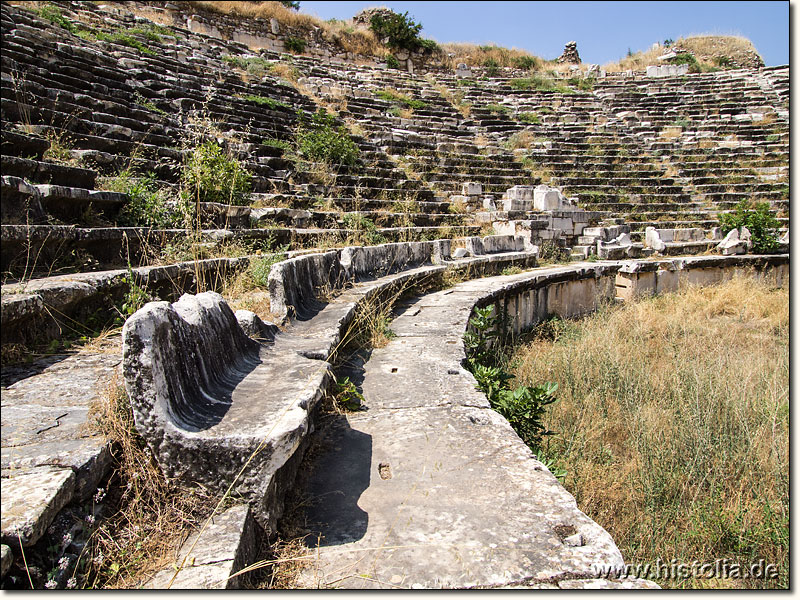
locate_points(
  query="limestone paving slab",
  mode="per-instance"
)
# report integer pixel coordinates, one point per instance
(45, 418)
(211, 559)
(441, 497)
(428, 487)
(30, 500)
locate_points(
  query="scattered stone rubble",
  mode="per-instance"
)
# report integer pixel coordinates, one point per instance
(570, 54)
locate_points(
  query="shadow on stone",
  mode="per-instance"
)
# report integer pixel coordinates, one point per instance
(341, 474)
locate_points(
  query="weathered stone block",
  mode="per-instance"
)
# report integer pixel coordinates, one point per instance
(216, 407)
(471, 188)
(30, 501)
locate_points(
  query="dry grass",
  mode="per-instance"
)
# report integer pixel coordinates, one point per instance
(136, 541)
(704, 46)
(478, 56)
(671, 133)
(344, 34)
(673, 423)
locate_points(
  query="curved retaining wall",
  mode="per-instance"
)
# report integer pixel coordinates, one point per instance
(528, 298)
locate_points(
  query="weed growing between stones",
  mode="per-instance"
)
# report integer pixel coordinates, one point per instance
(214, 175)
(147, 513)
(319, 139)
(673, 423)
(523, 406)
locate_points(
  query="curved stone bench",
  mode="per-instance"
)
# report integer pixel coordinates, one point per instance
(216, 407)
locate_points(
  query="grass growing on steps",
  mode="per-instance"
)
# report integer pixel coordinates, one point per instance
(673, 421)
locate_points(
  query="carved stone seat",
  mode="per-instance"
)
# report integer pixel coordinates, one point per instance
(216, 407)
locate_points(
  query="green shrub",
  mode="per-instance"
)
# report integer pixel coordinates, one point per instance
(392, 62)
(530, 118)
(686, 58)
(429, 45)
(522, 406)
(526, 62)
(398, 98)
(212, 175)
(723, 61)
(400, 31)
(492, 67)
(295, 45)
(259, 268)
(585, 84)
(149, 205)
(265, 101)
(497, 109)
(255, 66)
(759, 221)
(124, 39)
(365, 229)
(321, 140)
(52, 13)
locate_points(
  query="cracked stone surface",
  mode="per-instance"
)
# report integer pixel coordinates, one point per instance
(44, 417)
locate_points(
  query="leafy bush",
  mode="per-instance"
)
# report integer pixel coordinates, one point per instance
(758, 220)
(723, 61)
(530, 118)
(212, 175)
(687, 58)
(365, 229)
(53, 14)
(295, 45)
(526, 62)
(259, 268)
(124, 39)
(392, 62)
(321, 140)
(585, 84)
(497, 109)
(347, 395)
(522, 406)
(400, 32)
(255, 66)
(492, 67)
(149, 206)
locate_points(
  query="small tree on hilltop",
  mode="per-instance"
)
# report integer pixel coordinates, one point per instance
(399, 31)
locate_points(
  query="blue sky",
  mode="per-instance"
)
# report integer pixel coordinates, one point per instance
(604, 30)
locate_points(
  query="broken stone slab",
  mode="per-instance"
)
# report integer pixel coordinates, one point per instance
(254, 327)
(462, 70)
(493, 244)
(471, 188)
(733, 243)
(214, 406)
(6, 559)
(211, 559)
(653, 239)
(30, 501)
(518, 197)
(549, 198)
